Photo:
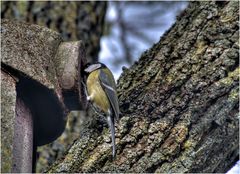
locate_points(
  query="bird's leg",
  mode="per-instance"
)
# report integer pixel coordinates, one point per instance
(85, 90)
(95, 109)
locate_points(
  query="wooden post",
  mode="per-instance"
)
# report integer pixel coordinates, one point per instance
(23, 139)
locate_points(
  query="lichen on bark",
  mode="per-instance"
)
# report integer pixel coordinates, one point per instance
(178, 102)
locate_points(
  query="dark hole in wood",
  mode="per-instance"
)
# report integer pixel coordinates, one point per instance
(47, 111)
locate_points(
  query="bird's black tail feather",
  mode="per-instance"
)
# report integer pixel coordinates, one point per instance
(112, 129)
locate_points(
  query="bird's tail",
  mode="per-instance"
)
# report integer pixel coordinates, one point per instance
(112, 129)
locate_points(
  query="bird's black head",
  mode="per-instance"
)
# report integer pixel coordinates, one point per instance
(90, 67)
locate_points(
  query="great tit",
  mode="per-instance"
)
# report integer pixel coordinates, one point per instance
(101, 91)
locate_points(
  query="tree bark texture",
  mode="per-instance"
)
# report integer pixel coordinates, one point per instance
(75, 20)
(179, 102)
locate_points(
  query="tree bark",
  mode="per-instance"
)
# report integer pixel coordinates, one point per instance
(179, 102)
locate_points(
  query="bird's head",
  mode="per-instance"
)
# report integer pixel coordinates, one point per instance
(90, 67)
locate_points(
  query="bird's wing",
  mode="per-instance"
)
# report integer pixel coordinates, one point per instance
(109, 86)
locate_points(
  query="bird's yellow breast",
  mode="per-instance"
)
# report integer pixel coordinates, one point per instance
(96, 92)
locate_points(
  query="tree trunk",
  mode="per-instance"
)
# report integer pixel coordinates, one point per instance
(179, 102)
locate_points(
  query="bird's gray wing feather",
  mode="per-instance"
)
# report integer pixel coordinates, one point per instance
(109, 87)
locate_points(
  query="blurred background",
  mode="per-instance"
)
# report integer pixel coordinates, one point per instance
(133, 27)
(115, 33)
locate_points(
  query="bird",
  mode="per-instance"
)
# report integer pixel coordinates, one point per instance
(101, 92)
